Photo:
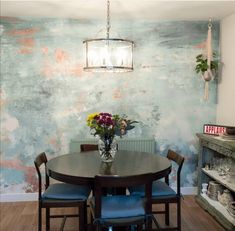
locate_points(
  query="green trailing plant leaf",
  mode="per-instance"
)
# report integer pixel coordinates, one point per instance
(202, 66)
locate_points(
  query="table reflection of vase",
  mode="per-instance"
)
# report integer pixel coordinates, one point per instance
(107, 148)
(108, 168)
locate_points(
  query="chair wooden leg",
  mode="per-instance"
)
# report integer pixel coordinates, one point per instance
(47, 219)
(85, 216)
(148, 224)
(179, 215)
(167, 214)
(139, 227)
(132, 228)
(98, 227)
(39, 217)
(81, 217)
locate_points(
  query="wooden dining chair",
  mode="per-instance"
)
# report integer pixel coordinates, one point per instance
(60, 195)
(88, 147)
(121, 210)
(162, 193)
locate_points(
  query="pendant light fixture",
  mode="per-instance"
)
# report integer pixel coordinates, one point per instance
(108, 54)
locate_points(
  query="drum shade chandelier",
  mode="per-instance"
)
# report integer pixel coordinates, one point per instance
(108, 54)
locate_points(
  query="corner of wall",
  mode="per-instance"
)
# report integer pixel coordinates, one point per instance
(226, 87)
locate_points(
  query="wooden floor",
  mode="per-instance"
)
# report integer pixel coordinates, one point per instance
(22, 216)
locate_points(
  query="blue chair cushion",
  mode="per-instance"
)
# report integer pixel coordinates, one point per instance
(66, 192)
(160, 189)
(114, 207)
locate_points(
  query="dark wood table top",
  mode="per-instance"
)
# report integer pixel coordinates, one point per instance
(81, 168)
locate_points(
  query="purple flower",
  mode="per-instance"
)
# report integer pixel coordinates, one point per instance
(109, 121)
(105, 114)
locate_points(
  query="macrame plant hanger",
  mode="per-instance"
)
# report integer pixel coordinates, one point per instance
(207, 76)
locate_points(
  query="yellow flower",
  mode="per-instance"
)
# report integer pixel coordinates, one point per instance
(91, 117)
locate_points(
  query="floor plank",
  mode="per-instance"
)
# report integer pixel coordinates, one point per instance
(22, 216)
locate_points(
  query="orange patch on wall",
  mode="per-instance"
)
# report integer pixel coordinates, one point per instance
(15, 164)
(27, 46)
(29, 171)
(25, 51)
(201, 45)
(76, 70)
(117, 94)
(27, 42)
(20, 32)
(47, 71)
(45, 50)
(61, 56)
(2, 102)
(52, 141)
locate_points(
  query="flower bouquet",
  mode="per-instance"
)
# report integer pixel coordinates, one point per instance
(107, 126)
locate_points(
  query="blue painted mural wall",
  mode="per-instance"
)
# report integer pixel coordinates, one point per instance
(46, 96)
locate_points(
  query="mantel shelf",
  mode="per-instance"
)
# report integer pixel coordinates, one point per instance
(218, 144)
(223, 210)
(214, 174)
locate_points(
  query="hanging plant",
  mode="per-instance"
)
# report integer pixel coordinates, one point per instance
(202, 66)
(206, 63)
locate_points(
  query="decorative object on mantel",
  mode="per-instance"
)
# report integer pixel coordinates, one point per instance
(229, 134)
(231, 176)
(213, 129)
(231, 208)
(230, 130)
(205, 65)
(204, 188)
(107, 126)
(213, 189)
(109, 54)
(225, 198)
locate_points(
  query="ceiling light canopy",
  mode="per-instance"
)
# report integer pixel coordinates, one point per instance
(108, 54)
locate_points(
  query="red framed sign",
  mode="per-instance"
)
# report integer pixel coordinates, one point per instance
(213, 129)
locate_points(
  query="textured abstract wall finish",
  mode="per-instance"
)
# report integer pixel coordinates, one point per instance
(46, 96)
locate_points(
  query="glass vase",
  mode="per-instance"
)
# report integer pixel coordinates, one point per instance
(107, 149)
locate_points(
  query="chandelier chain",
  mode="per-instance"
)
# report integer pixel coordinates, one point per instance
(108, 18)
(210, 23)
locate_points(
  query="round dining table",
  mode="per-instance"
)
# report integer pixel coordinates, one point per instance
(81, 168)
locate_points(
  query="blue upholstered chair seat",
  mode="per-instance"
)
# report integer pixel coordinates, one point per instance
(159, 189)
(114, 207)
(66, 192)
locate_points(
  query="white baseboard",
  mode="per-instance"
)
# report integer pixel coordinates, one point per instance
(14, 197)
(189, 190)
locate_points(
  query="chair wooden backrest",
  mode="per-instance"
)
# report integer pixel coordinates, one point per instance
(40, 160)
(179, 160)
(102, 182)
(88, 147)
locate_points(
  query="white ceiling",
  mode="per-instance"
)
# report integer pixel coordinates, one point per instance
(120, 9)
